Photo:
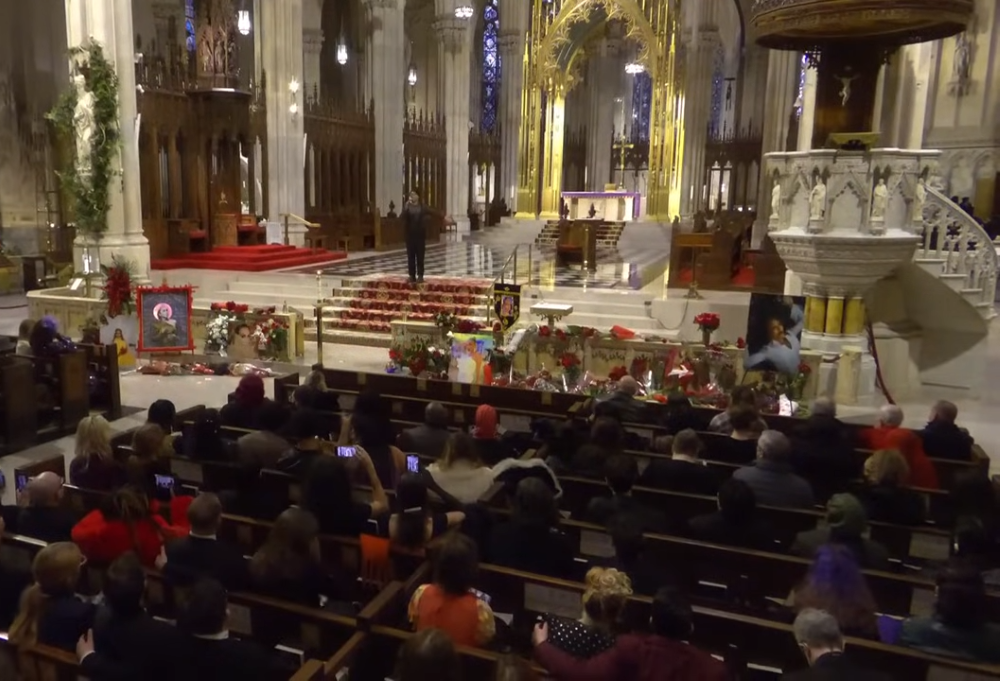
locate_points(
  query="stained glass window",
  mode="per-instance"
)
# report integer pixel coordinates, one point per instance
(718, 77)
(189, 24)
(491, 66)
(642, 100)
(800, 96)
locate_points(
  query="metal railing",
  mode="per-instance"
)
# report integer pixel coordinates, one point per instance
(292, 218)
(953, 236)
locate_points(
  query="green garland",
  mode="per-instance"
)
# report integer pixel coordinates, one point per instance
(90, 194)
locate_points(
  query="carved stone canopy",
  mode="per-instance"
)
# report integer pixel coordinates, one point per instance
(807, 24)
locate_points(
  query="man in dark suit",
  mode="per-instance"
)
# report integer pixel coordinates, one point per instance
(683, 472)
(126, 643)
(823, 453)
(429, 438)
(820, 640)
(201, 555)
(943, 439)
(44, 518)
(630, 410)
(210, 653)
(621, 472)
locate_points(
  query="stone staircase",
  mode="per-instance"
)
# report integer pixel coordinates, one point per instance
(608, 234)
(360, 310)
(959, 253)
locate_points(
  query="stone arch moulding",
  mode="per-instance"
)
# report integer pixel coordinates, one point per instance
(576, 11)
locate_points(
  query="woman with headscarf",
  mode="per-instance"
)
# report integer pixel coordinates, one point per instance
(491, 449)
(242, 410)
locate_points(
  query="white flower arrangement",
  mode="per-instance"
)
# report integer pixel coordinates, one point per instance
(217, 332)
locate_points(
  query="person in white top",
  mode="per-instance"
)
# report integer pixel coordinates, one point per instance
(460, 472)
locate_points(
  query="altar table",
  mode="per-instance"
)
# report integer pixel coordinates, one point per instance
(618, 206)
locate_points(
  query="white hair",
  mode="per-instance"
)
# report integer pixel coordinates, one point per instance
(773, 445)
(818, 629)
(891, 415)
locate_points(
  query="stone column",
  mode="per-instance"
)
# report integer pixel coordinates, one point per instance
(455, 36)
(386, 86)
(701, 48)
(603, 75)
(513, 33)
(281, 57)
(782, 70)
(312, 45)
(808, 110)
(753, 89)
(109, 22)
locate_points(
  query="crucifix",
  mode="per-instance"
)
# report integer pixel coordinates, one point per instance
(622, 145)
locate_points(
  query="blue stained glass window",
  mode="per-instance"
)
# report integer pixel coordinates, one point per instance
(189, 24)
(491, 66)
(715, 121)
(800, 97)
(642, 101)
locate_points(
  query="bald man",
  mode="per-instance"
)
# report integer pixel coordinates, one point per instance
(623, 400)
(430, 438)
(43, 517)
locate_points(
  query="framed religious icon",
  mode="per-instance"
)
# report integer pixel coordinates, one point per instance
(164, 318)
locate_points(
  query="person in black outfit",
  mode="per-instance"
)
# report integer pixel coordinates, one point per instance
(306, 428)
(414, 223)
(683, 472)
(429, 438)
(884, 494)
(736, 522)
(162, 413)
(209, 653)
(288, 566)
(943, 439)
(529, 541)
(631, 558)
(606, 440)
(822, 451)
(50, 612)
(44, 518)
(621, 472)
(822, 643)
(201, 555)
(127, 643)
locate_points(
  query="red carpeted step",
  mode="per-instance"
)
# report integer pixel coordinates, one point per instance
(249, 259)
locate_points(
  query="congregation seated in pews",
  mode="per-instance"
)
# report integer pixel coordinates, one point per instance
(621, 545)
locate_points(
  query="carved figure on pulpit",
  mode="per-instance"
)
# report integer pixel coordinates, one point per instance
(919, 199)
(775, 199)
(817, 200)
(83, 121)
(880, 200)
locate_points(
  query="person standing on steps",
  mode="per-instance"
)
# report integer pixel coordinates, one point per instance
(414, 223)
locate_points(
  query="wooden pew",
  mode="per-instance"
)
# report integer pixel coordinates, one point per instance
(902, 542)
(102, 360)
(53, 464)
(18, 403)
(755, 644)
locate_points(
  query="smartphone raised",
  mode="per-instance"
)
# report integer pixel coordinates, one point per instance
(346, 452)
(21, 481)
(412, 463)
(165, 481)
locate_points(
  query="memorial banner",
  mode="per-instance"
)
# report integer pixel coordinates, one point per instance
(507, 304)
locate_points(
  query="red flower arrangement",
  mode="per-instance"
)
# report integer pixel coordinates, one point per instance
(468, 326)
(805, 369)
(617, 373)
(230, 306)
(741, 343)
(497, 327)
(117, 289)
(544, 331)
(265, 310)
(560, 334)
(570, 363)
(707, 321)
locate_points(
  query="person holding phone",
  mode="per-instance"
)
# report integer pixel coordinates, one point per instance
(450, 603)
(327, 494)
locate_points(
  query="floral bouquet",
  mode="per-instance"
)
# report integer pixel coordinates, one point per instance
(445, 321)
(271, 337)
(117, 289)
(571, 366)
(707, 322)
(230, 306)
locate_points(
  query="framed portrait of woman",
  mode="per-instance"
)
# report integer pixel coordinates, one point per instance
(164, 319)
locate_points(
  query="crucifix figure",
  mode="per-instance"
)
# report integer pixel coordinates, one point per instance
(622, 145)
(845, 89)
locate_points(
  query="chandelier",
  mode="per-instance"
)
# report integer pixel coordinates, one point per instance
(243, 22)
(634, 68)
(341, 54)
(464, 12)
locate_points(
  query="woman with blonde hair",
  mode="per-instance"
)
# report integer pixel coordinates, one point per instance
(51, 613)
(604, 602)
(94, 466)
(460, 472)
(884, 493)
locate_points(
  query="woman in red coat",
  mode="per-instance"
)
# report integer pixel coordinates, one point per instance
(128, 523)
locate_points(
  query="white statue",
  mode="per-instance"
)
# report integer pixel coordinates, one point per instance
(963, 58)
(880, 199)
(775, 200)
(83, 121)
(817, 200)
(919, 199)
(845, 88)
